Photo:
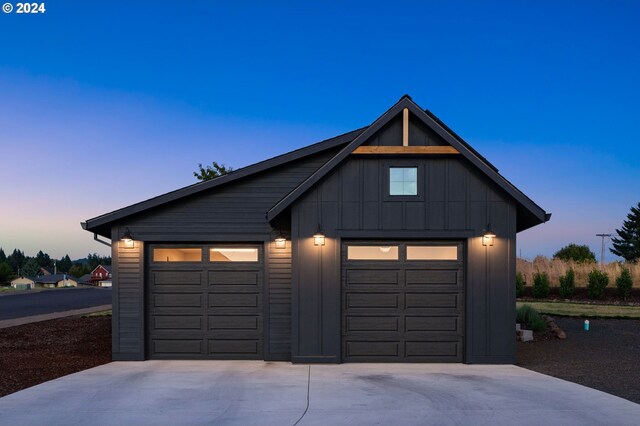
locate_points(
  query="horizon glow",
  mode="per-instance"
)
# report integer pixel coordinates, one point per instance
(94, 118)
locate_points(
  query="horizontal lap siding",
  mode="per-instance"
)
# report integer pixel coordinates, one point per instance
(279, 281)
(233, 210)
(128, 307)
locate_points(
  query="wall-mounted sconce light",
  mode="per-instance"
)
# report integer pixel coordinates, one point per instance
(318, 237)
(281, 240)
(488, 236)
(127, 238)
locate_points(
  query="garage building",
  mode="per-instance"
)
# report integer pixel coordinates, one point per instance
(395, 242)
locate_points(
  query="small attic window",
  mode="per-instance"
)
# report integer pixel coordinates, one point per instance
(403, 181)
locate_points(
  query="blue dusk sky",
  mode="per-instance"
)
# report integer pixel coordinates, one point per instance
(107, 103)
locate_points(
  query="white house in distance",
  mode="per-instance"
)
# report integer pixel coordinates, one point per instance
(23, 283)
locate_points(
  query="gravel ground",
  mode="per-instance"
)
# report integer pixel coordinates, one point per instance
(34, 353)
(605, 358)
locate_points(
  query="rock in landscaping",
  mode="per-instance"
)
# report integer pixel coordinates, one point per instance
(554, 327)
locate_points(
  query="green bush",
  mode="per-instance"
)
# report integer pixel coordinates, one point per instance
(598, 281)
(526, 314)
(567, 284)
(519, 284)
(540, 286)
(624, 283)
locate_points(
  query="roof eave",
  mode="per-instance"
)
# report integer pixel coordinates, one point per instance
(97, 224)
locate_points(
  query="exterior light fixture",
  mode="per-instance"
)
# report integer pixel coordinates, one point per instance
(127, 238)
(281, 240)
(488, 236)
(318, 237)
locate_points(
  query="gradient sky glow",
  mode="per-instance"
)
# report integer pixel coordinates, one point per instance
(107, 103)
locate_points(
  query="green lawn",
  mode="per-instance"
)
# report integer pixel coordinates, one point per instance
(584, 310)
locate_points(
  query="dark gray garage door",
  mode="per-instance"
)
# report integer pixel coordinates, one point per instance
(204, 302)
(395, 309)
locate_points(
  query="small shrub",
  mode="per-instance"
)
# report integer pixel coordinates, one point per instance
(519, 284)
(624, 283)
(540, 286)
(597, 282)
(526, 314)
(567, 284)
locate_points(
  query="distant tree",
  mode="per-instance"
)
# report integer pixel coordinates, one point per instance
(64, 264)
(3, 257)
(16, 260)
(79, 269)
(213, 171)
(627, 244)
(577, 253)
(5, 272)
(93, 260)
(44, 260)
(30, 267)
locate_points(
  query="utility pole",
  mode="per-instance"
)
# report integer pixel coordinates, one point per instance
(602, 255)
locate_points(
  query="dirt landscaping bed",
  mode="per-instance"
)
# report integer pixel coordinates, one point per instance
(35, 353)
(604, 358)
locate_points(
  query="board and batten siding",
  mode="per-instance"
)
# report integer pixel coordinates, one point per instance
(455, 202)
(127, 300)
(278, 295)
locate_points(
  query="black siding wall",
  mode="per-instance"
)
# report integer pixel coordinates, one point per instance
(278, 294)
(457, 202)
(127, 299)
(233, 213)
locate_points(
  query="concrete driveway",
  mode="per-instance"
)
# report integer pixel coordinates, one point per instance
(265, 393)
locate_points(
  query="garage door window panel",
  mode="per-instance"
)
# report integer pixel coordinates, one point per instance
(224, 254)
(372, 253)
(432, 253)
(177, 254)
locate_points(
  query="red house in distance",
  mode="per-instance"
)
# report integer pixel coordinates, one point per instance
(101, 276)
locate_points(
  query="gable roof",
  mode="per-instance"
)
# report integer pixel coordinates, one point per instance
(529, 213)
(100, 224)
(105, 267)
(539, 215)
(51, 279)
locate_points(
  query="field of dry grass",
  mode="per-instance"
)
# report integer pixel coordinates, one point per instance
(555, 268)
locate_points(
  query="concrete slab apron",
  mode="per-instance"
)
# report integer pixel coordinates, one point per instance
(456, 394)
(264, 393)
(165, 393)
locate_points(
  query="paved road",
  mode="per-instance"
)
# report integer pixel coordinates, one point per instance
(46, 302)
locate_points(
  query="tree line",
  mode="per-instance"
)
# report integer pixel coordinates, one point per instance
(18, 264)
